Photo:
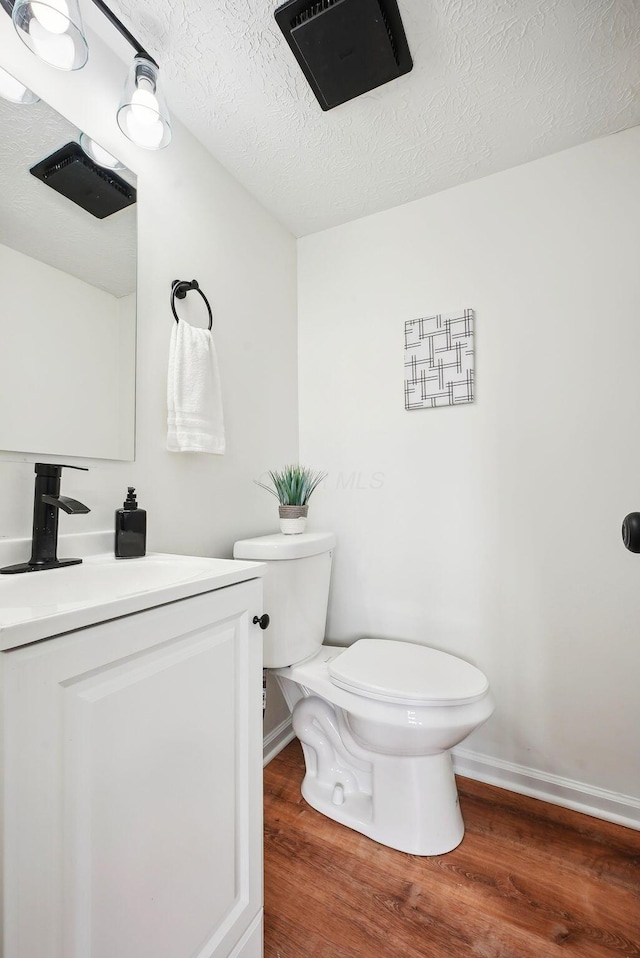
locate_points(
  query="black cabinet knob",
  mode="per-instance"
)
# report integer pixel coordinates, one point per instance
(261, 620)
(631, 531)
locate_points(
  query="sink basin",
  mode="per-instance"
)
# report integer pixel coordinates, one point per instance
(38, 605)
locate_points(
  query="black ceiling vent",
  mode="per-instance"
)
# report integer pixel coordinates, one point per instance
(70, 172)
(345, 47)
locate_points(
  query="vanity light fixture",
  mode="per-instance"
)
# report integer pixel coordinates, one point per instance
(53, 30)
(142, 115)
(98, 154)
(14, 91)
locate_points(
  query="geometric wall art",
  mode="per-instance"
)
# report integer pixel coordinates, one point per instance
(438, 360)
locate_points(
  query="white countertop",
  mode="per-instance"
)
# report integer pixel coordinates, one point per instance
(38, 605)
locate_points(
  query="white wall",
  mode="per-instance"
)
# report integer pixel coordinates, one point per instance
(194, 220)
(492, 530)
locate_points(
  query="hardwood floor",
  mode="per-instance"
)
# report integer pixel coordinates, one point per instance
(530, 880)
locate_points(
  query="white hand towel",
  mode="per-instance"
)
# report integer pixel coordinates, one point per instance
(194, 398)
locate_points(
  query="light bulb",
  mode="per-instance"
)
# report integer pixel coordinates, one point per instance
(144, 128)
(103, 157)
(53, 15)
(143, 120)
(144, 106)
(98, 154)
(142, 115)
(58, 49)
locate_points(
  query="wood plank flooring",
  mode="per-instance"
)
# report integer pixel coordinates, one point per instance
(530, 880)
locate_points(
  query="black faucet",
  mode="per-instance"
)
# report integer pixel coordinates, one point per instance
(46, 503)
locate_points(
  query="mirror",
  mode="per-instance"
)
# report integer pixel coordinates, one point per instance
(68, 313)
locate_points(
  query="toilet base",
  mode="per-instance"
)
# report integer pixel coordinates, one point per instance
(417, 811)
(406, 802)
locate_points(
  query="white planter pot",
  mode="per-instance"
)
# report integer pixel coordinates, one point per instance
(293, 519)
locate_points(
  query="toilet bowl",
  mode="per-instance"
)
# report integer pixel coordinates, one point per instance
(377, 719)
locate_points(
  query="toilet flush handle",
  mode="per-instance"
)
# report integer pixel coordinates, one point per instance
(261, 620)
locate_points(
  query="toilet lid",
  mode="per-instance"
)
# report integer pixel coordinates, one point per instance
(406, 674)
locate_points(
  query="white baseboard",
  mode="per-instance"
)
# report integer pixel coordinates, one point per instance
(276, 740)
(598, 802)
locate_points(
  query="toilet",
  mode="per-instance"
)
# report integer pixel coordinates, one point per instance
(377, 719)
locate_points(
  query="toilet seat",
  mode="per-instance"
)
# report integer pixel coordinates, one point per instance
(403, 673)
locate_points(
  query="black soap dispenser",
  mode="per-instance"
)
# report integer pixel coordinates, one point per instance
(131, 529)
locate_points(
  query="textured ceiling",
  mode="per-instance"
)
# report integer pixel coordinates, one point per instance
(42, 224)
(495, 83)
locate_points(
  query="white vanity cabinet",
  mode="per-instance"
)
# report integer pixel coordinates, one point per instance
(132, 785)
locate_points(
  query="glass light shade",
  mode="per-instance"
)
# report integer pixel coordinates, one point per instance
(52, 29)
(143, 116)
(14, 91)
(99, 155)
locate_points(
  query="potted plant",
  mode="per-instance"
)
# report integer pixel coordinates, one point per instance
(292, 486)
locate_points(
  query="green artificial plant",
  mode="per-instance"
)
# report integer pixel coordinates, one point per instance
(292, 485)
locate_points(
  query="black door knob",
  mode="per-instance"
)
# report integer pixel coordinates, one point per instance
(631, 531)
(261, 620)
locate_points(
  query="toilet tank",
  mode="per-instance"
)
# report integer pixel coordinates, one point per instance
(296, 592)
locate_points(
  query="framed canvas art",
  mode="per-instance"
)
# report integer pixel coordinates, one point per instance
(438, 360)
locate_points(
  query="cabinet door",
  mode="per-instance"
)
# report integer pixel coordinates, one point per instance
(133, 784)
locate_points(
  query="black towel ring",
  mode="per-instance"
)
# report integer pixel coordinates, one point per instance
(180, 288)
